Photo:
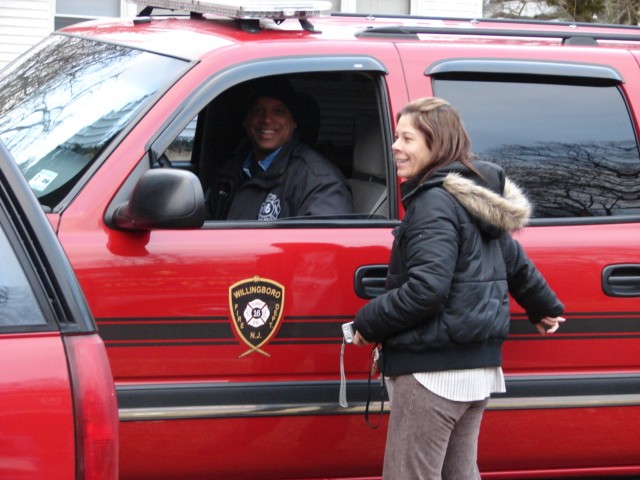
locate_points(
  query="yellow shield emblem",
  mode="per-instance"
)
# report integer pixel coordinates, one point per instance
(256, 306)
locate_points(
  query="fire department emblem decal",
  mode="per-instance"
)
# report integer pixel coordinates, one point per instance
(256, 309)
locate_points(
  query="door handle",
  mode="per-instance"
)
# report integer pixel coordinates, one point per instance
(621, 280)
(369, 280)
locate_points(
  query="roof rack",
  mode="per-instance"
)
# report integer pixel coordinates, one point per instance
(247, 13)
(567, 37)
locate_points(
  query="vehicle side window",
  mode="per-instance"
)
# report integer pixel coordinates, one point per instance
(18, 304)
(338, 115)
(571, 146)
(180, 151)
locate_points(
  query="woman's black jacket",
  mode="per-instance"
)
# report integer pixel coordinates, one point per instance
(453, 265)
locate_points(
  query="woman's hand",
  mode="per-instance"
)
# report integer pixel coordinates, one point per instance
(359, 341)
(549, 325)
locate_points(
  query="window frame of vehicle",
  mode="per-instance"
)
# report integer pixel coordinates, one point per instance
(40, 256)
(466, 83)
(189, 121)
(20, 303)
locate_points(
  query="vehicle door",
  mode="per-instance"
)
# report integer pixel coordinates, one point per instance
(57, 391)
(36, 389)
(174, 305)
(560, 124)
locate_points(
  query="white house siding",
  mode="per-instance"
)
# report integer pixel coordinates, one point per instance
(23, 23)
(109, 8)
(69, 12)
(393, 7)
(451, 8)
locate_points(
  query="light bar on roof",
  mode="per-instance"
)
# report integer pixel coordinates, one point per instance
(246, 9)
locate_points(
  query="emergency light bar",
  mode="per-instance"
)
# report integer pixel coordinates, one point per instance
(247, 9)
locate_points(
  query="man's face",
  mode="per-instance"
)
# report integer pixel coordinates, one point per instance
(269, 125)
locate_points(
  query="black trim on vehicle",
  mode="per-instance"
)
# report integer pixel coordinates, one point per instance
(230, 76)
(621, 280)
(338, 221)
(190, 331)
(529, 68)
(612, 220)
(60, 297)
(228, 400)
(583, 324)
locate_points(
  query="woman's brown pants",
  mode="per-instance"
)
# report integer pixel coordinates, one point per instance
(430, 437)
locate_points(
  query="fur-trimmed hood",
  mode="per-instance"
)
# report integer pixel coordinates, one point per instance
(496, 202)
(509, 211)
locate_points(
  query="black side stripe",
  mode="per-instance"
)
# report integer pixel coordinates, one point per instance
(188, 331)
(216, 400)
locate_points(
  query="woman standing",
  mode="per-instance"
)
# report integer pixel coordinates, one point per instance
(445, 313)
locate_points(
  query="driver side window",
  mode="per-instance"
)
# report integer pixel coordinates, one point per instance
(339, 147)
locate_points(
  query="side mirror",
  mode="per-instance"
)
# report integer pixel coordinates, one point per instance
(163, 199)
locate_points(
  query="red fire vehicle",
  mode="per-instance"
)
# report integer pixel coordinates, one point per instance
(59, 411)
(119, 125)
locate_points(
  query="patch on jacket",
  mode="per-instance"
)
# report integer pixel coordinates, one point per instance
(270, 209)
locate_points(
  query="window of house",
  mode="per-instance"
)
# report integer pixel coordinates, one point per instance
(69, 12)
(388, 7)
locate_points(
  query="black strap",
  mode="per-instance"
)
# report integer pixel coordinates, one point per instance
(382, 392)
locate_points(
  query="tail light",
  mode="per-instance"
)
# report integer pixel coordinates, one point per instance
(96, 409)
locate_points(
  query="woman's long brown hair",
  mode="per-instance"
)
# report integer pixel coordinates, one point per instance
(443, 131)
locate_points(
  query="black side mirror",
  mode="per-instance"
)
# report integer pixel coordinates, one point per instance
(163, 199)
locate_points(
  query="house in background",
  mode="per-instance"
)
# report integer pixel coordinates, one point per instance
(23, 23)
(427, 8)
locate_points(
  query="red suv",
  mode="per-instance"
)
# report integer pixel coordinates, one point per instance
(119, 126)
(59, 411)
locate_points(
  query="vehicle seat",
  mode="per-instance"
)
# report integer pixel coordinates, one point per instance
(308, 118)
(368, 179)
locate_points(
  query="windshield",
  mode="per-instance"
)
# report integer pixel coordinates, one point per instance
(62, 104)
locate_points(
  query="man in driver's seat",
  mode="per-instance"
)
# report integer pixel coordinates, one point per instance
(276, 176)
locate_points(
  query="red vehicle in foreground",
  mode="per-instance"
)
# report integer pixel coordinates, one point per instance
(119, 125)
(59, 411)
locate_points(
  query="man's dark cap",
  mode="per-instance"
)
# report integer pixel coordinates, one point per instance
(278, 88)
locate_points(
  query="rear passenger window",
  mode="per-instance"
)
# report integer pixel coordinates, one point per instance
(571, 146)
(18, 304)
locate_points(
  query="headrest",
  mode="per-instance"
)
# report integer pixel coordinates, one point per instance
(368, 150)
